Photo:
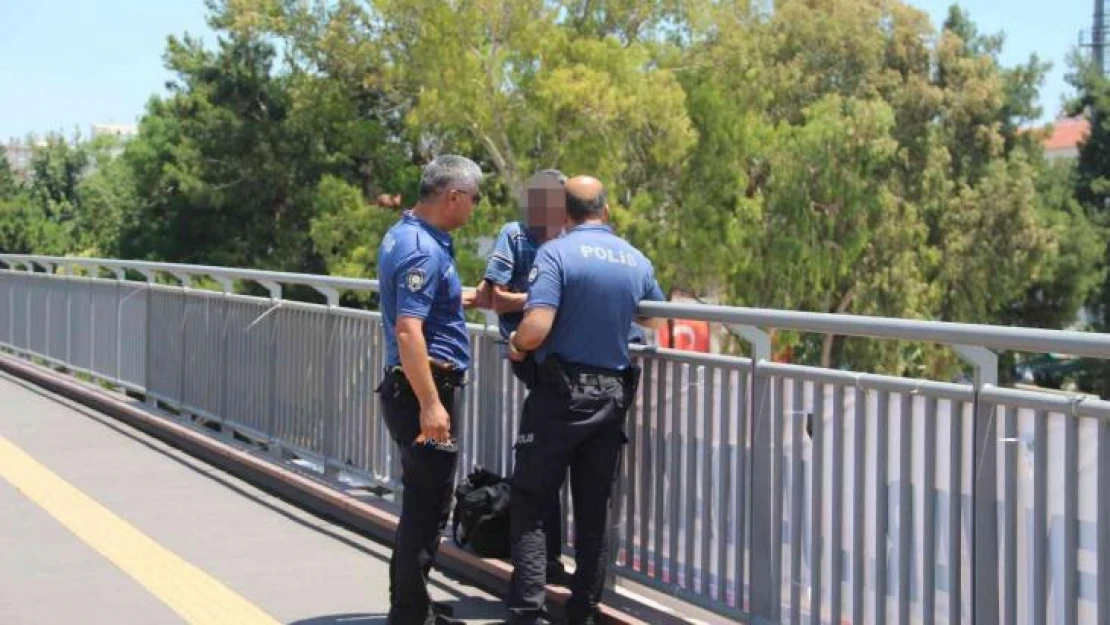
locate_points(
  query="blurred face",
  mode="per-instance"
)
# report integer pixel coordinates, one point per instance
(545, 208)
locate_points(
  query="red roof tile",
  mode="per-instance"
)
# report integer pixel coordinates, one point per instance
(1067, 132)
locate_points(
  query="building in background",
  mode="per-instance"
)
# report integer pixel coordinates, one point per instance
(1065, 136)
(122, 131)
(19, 155)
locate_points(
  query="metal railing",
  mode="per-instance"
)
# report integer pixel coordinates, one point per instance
(763, 491)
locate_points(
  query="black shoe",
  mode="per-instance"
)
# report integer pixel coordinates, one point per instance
(445, 609)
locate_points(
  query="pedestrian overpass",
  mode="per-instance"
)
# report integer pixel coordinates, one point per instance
(751, 490)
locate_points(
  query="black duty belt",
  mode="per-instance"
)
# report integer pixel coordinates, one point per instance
(582, 375)
(442, 372)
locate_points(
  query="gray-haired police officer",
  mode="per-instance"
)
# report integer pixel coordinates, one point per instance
(427, 355)
(585, 287)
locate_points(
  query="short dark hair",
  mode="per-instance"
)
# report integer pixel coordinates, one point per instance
(580, 209)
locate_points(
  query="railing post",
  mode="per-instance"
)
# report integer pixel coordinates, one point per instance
(120, 277)
(69, 316)
(93, 273)
(763, 586)
(225, 368)
(332, 384)
(186, 281)
(46, 342)
(273, 445)
(150, 281)
(27, 323)
(984, 490)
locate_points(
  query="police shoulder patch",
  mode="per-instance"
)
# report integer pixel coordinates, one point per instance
(532, 275)
(414, 280)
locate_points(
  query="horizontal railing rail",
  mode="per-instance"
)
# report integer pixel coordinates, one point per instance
(766, 491)
(1075, 343)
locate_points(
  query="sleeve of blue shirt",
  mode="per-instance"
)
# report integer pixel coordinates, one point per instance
(499, 269)
(415, 283)
(546, 287)
(652, 292)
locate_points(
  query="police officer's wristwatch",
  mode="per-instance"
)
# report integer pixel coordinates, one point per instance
(512, 347)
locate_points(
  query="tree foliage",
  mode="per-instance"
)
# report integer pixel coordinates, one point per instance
(829, 155)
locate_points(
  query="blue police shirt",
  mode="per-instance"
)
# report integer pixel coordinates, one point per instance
(418, 278)
(595, 280)
(512, 258)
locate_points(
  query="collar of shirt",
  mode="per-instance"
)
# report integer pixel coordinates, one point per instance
(440, 236)
(527, 234)
(591, 228)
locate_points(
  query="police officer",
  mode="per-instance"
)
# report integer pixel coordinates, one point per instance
(427, 355)
(584, 290)
(506, 278)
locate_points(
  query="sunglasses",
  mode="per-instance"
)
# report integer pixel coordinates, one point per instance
(475, 197)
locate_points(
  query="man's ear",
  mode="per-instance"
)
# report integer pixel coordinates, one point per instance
(605, 214)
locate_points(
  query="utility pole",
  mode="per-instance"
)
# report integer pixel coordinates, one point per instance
(1098, 36)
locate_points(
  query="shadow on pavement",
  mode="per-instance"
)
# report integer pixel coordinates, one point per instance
(470, 609)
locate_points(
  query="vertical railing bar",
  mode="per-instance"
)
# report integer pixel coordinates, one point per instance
(955, 514)
(1009, 517)
(271, 398)
(779, 422)
(859, 511)
(223, 383)
(983, 580)
(69, 320)
(92, 322)
(661, 475)
(373, 377)
(727, 494)
(647, 466)
(119, 326)
(836, 560)
(1040, 519)
(797, 494)
(631, 465)
(817, 483)
(148, 374)
(747, 411)
(905, 507)
(929, 514)
(882, 440)
(1070, 585)
(675, 474)
(331, 387)
(46, 316)
(707, 535)
(691, 477)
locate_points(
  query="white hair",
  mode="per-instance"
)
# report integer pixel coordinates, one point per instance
(449, 171)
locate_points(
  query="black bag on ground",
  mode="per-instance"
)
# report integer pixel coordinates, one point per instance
(481, 516)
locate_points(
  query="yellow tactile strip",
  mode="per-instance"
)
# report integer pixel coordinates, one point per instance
(193, 594)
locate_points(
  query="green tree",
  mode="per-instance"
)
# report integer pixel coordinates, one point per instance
(9, 185)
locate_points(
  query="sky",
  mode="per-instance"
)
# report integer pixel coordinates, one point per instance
(68, 64)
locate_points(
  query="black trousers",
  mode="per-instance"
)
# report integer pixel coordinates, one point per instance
(573, 418)
(427, 475)
(527, 371)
